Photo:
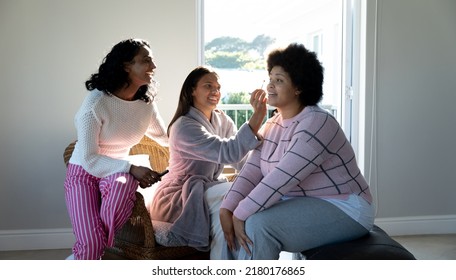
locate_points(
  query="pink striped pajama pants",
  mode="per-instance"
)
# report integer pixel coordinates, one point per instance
(97, 207)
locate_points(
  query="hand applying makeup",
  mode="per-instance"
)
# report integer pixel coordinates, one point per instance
(258, 101)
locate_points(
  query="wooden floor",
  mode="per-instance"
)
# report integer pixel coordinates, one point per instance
(430, 247)
(423, 247)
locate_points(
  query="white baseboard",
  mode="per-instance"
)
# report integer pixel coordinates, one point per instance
(12, 240)
(419, 225)
(36, 239)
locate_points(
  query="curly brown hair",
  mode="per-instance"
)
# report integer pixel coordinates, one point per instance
(304, 68)
(111, 74)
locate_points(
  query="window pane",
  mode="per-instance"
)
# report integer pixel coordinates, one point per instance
(238, 35)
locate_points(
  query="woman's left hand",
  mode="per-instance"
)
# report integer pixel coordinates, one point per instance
(145, 176)
(242, 238)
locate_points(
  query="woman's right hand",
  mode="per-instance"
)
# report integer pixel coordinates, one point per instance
(144, 175)
(226, 220)
(258, 101)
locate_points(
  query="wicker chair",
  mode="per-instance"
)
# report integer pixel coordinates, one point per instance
(135, 240)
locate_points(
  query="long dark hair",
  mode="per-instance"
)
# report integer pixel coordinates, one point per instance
(111, 74)
(185, 97)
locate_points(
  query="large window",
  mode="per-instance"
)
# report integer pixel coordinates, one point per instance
(238, 34)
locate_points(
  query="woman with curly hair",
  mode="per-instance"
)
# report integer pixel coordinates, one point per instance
(119, 110)
(302, 187)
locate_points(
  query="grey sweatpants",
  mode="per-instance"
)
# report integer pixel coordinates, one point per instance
(295, 225)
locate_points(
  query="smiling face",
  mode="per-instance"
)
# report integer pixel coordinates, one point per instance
(141, 68)
(282, 93)
(206, 94)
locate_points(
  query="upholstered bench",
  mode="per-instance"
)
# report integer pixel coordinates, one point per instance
(376, 245)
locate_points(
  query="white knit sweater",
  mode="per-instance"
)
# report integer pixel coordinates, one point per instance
(107, 127)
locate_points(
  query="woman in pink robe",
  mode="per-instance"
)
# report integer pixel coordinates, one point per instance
(202, 139)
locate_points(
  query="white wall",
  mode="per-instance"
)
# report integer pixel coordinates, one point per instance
(48, 50)
(50, 47)
(414, 90)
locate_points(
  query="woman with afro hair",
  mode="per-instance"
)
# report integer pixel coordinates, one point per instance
(302, 187)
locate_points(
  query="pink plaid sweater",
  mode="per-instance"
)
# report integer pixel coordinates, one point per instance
(307, 155)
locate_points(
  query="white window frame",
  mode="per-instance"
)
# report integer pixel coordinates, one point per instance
(350, 71)
(352, 111)
(319, 49)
